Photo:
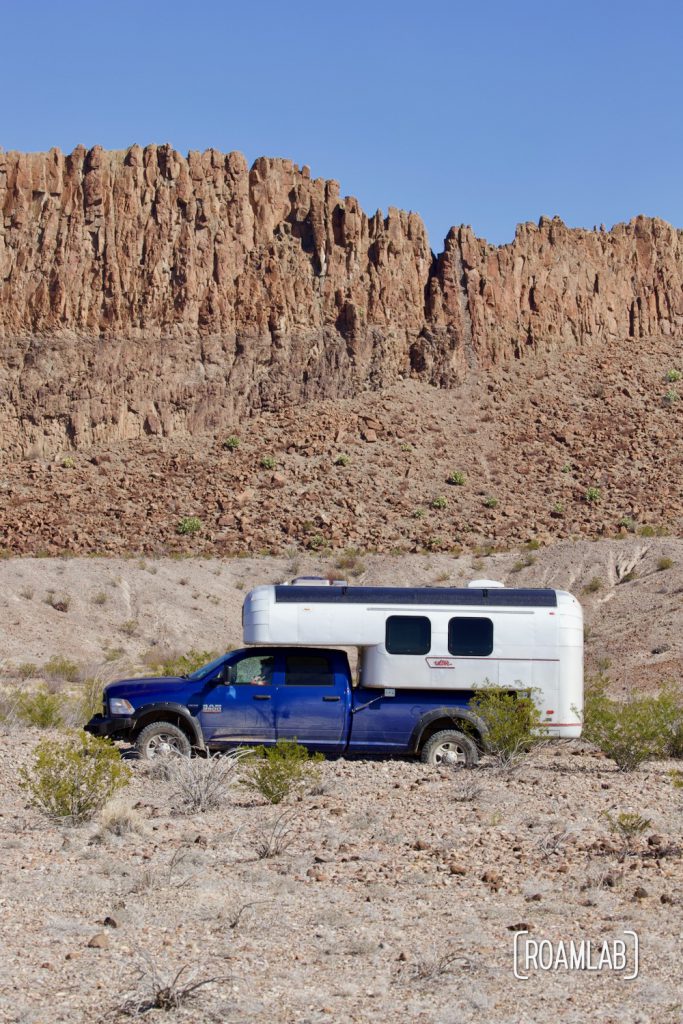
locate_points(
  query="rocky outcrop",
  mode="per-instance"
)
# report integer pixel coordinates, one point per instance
(142, 292)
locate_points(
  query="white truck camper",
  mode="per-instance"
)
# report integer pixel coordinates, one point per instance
(437, 638)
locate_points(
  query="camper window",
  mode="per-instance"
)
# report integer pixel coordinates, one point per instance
(307, 670)
(408, 634)
(470, 637)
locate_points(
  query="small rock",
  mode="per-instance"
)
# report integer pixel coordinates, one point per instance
(640, 893)
(655, 840)
(110, 922)
(457, 869)
(98, 941)
(521, 927)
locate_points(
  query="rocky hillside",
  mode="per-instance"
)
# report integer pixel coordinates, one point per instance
(145, 293)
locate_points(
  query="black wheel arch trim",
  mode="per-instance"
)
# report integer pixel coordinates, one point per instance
(166, 707)
(453, 715)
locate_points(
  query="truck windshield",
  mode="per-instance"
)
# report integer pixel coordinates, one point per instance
(207, 670)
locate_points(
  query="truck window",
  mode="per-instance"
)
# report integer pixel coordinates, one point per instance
(255, 671)
(408, 634)
(470, 637)
(308, 670)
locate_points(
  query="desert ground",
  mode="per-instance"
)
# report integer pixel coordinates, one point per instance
(399, 886)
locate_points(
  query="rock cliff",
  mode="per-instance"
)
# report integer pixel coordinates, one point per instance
(145, 293)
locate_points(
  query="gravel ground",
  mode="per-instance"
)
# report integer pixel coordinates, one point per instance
(396, 900)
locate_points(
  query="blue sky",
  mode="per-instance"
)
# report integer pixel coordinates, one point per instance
(478, 113)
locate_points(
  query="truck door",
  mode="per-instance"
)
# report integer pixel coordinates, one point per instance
(241, 708)
(312, 701)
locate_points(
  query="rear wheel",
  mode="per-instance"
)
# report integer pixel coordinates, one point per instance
(449, 747)
(160, 739)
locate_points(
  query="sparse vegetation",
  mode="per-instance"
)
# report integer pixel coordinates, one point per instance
(73, 777)
(27, 670)
(59, 667)
(268, 462)
(276, 837)
(673, 376)
(627, 523)
(342, 460)
(513, 722)
(593, 496)
(100, 598)
(664, 563)
(593, 585)
(350, 560)
(491, 502)
(118, 818)
(183, 664)
(457, 478)
(419, 513)
(671, 396)
(130, 627)
(189, 526)
(231, 443)
(440, 502)
(26, 593)
(276, 772)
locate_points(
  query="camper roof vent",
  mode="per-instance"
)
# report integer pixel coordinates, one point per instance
(317, 581)
(486, 585)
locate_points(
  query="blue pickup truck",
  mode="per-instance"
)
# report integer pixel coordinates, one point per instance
(260, 695)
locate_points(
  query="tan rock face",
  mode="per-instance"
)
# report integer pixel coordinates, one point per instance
(142, 292)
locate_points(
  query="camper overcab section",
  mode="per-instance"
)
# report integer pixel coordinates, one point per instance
(437, 638)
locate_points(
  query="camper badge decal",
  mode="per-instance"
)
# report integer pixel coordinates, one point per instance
(441, 662)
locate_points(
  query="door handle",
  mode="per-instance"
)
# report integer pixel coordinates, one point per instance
(330, 699)
(261, 696)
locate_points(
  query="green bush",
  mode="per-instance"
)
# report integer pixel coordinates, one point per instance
(673, 376)
(342, 460)
(440, 502)
(268, 462)
(663, 564)
(73, 777)
(491, 502)
(231, 443)
(277, 771)
(593, 585)
(61, 668)
(41, 709)
(189, 525)
(457, 478)
(88, 702)
(513, 722)
(593, 495)
(634, 731)
(184, 664)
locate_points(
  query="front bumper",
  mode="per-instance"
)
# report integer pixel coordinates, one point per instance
(113, 725)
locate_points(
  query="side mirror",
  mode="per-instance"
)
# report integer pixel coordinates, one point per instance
(389, 691)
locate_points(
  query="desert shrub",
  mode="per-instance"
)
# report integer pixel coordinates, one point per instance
(277, 771)
(118, 818)
(628, 827)
(663, 564)
(628, 523)
(593, 585)
(61, 668)
(40, 708)
(277, 836)
(268, 462)
(189, 525)
(593, 495)
(634, 731)
(491, 502)
(184, 664)
(673, 376)
(60, 604)
(100, 598)
(73, 777)
(513, 722)
(342, 460)
(440, 502)
(87, 702)
(27, 670)
(457, 478)
(671, 396)
(202, 783)
(419, 513)
(231, 443)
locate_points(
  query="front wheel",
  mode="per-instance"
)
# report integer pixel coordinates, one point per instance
(161, 739)
(450, 748)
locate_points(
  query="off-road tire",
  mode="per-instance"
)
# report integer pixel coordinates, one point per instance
(159, 739)
(450, 741)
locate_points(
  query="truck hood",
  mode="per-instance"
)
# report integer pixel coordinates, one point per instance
(162, 688)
